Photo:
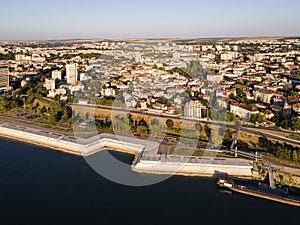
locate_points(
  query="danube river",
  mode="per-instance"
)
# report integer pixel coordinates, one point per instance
(41, 186)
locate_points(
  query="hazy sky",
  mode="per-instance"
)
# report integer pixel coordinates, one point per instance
(56, 19)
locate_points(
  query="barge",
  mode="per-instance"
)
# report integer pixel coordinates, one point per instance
(260, 191)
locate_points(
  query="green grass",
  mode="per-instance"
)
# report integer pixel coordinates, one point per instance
(294, 136)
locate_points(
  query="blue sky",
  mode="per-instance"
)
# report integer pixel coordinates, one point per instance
(58, 19)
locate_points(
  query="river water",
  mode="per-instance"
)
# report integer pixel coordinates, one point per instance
(42, 186)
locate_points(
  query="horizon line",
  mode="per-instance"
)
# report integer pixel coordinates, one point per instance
(152, 38)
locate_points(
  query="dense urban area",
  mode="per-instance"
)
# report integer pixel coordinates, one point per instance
(249, 83)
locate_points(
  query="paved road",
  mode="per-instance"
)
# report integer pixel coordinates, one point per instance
(269, 160)
(257, 131)
(30, 125)
(263, 133)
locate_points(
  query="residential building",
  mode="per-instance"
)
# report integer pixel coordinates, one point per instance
(108, 92)
(296, 109)
(4, 77)
(49, 84)
(263, 95)
(56, 74)
(286, 111)
(71, 73)
(194, 109)
(243, 111)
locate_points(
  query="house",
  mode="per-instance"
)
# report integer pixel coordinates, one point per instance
(268, 114)
(285, 111)
(171, 110)
(160, 106)
(296, 109)
(264, 95)
(243, 111)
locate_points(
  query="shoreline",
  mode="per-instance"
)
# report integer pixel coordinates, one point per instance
(39, 145)
(146, 156)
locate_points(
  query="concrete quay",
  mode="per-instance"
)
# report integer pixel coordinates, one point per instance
(147, 158)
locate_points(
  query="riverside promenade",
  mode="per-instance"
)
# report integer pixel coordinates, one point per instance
(148, 159)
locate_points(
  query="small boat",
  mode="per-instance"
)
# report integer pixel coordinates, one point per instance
(223, 182)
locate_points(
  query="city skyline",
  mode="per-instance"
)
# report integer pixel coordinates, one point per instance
(44, 20)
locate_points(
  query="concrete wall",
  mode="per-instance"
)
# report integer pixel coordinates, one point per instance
(147, 166)
(193, 169)
(68, 147)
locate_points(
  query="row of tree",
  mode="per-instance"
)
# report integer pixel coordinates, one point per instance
(281, 151)
(257, 118)
(58, 113)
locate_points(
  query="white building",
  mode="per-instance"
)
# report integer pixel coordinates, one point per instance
(49, 84)
(138, 57)
(71, 73)
(176, 55)
(215, 77)
(243, 111)
(56, 74)
(106, 92)
(194, 109)
(53, 93)
(4, 77)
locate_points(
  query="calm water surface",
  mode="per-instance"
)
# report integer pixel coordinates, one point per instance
(41, 186)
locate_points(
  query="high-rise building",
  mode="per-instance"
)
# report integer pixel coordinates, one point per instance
(71, 73)
(49, 84)
(138, 57)
(194, 109)
(4, 77)
(56, 74)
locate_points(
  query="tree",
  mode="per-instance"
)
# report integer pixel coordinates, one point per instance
(295, 156)
(54, 107)
(53, 111)
(156, 130)
(285, 124)
(215, 138)
(65, 116)
(138, 105)
(276, 118)
(253, 118)
(260, 118)
(228, 135)
(142, 130)
(52, 119)
(70, 99)
(170, 123)
(230, 117)
(239, 92)
(232, 96)
(38, 112)
(4, 104)
(295, 123)
(121, 124)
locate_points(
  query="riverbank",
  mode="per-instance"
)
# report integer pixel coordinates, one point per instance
(147, 158)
